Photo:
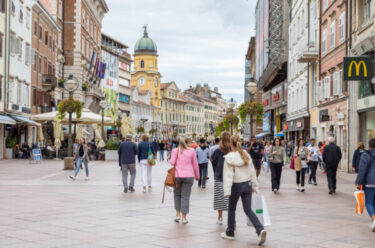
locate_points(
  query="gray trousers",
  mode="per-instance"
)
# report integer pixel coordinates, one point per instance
(182, 194)
(125, 169)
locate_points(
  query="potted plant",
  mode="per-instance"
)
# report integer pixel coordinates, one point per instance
(85, 86)
(10, 143)
(111, 149)
(61, 82)
(69, 106)
(140, 130)
(152, 132)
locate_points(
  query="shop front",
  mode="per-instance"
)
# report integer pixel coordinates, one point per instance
(366, 109)
(297, 129)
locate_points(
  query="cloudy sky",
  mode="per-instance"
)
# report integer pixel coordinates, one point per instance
(199, 41)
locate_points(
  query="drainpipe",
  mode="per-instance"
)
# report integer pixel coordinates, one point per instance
(320, 39)
(7, 55)
(63, 37)
(348, 44)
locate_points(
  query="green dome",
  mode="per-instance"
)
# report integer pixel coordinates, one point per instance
(145, 45)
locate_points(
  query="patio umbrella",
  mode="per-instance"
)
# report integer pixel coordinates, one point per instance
(127, 126)
(98, 136)
(40, 134)
(79, 134)
(57, 132)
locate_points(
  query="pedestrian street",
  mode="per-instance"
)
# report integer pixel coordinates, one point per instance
(41, 207)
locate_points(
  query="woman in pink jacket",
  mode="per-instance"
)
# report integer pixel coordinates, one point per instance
(185, 162)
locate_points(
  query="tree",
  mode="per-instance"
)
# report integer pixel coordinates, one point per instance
(252, 108)
(231, 121)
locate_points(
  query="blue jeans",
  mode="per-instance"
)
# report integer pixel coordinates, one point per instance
(203, 174)
(79, 163)
(161, 154)
(370, 200)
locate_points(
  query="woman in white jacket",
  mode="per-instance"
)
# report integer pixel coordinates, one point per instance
(240, 180)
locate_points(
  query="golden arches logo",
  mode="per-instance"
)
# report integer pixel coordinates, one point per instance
(357, 68)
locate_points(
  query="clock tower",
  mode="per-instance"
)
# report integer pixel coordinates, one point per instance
(145, 73)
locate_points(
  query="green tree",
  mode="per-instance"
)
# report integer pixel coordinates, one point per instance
(252, 108)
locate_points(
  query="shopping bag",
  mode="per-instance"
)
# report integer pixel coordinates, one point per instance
(292, 162)
(265, 167)
(359, 195)
(287, 160)
(259, 207)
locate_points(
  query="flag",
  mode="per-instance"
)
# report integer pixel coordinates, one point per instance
(103, 70)
(100, 69)
(96, 66)
(92, 59)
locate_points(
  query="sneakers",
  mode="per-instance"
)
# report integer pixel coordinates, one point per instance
(87, 178)
(126, 190)
(177, 219)
(149, 188)
(131, 189)
(224, 235)
(310, 182)
(144, 190)
(72, 177)
(302, 189)
(275, 191)
(372, 226)
(262, 237)
(219, 221)
(184, 221)
(315, 184)
(298, 188)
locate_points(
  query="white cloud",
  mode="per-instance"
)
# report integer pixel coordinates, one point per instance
(199, 41)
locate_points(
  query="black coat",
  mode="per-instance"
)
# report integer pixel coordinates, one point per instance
(127, 152)
(143, 149)
(356, 159)
(217, 160)
(366, 170)
(332, 155)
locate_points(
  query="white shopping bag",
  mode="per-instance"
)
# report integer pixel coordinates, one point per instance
(265, 167)
(259, 207)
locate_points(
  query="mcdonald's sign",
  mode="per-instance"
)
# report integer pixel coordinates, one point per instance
(358, 68)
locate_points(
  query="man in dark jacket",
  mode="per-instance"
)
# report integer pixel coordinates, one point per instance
(126, 153)
(331, 157)
(366, 178)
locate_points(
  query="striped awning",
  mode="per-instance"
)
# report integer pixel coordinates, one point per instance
(24, 120)
(7, 120)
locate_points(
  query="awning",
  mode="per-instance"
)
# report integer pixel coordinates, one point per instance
(6, 120)
(261, 135)
(281, 134)
(24, 120)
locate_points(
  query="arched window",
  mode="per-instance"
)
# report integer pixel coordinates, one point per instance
(142, 64)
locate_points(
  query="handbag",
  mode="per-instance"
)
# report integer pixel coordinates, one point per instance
(150, 158)
(170, 180)
(298, 164)
(292, 162)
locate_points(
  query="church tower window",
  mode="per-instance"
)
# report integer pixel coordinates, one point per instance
(142, 64)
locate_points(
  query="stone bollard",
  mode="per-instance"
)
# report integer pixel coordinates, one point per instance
(68, 163)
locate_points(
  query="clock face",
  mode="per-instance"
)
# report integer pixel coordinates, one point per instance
(156, 82)
(141, 81)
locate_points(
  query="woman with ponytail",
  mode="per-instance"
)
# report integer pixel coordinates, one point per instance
(240, 180)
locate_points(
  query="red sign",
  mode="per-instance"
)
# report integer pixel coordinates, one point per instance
(109, 82)
(266, 102)
(124, 66)
(286, 127)
(276, 97)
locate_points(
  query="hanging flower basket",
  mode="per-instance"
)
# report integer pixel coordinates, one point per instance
(61, 82)
(69, 106)
(140, 130)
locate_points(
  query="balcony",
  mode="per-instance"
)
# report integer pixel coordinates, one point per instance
(49, 82)
(309, 55)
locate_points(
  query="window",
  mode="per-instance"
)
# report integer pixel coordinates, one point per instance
(28, 19)
(13, 8)
(21, 15)
(50, 41)
(325, 5)
(20, 50)
(35, 64)
(1, 45)
(368, 10)
(83, 44)
(46, 37)
(40, 65)
(35, 28)
(327, 87)
(40, 32)
(332, 32)
(324, 41)
(142, 64)
(83, 18)
(342, 27)
(3, 6)
(60, 9)
(28, 55)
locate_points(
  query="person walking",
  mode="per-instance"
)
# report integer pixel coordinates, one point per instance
(256, 151)
(366, 179)
(240, 180)
(202, 154)
(313, 158)
(217, 159)
(126, 153)
(357, 156)
(214, 147)
(161, 150)
(301, 153)
(143, 150)
(276, 157)
(81, 156)
(155, 147)
(331, 157)
(267, 149)
(185, 162)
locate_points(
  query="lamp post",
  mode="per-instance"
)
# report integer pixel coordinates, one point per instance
(118, 113)
(102, 105)
(70, 85)
(252, 89)
(231, 104)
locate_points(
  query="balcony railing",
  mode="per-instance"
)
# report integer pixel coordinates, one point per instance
(49, 81)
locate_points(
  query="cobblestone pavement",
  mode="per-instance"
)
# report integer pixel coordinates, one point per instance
(41, 207)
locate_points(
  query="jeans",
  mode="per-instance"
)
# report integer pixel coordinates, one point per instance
(125, 169)
(276, 170)
(370, 200)
(79, 163)
(331, 171)
(182, 194)
(146, 170)
(313, 167)
(300, 175)
(203, 173)
(161, 155)
(243, 190)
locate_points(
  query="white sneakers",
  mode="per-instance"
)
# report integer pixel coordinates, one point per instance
(177, 219)
(87, 178)
(72, 177)
(298, 188)
(302, 189)
(225, 236)
(262, 237)
(372, 226)
(219, 221)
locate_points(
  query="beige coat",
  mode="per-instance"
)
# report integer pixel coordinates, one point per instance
(236, 171)
(85, 152)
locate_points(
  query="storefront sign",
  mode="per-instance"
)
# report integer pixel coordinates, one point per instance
(357, 68)
(266, 102)
(37, 155)
(299, 124)
(276, 97)
(286, 127)
(266, 122)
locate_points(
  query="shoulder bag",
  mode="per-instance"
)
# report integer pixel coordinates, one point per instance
(170, 180)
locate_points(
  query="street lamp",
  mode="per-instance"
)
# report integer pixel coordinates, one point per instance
(252, 89)
(102, 105)
(70, 85)
(118, 113)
